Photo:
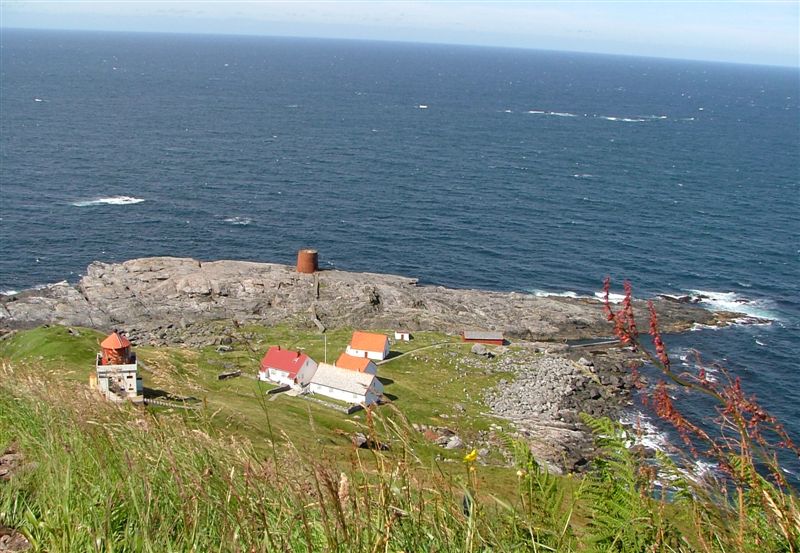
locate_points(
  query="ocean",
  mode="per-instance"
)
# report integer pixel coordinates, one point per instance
(471, 167)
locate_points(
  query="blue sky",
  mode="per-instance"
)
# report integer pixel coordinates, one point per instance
(761, 32)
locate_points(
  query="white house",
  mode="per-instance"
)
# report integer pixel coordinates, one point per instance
(286, 367)
(402, 335)
(368, 344)
(346, 385)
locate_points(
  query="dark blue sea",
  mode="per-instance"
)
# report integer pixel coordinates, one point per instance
(468, 167)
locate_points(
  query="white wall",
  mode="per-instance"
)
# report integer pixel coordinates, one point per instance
(280, 377)
(306, 372)
(127, 375)
(374, 355)
(372, 395)
(334, 393)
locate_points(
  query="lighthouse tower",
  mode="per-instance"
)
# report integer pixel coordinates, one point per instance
(117, 372)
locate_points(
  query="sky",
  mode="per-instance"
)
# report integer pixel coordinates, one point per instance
(758, 31)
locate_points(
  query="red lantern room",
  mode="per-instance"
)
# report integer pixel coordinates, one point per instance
(116, 349)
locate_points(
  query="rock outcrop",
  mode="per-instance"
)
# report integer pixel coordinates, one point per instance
(551, 390)
(156, 295)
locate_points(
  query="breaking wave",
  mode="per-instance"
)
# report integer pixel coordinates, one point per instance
(553, 113)
(113, 200)
(644, 432)
(546, 294)
(731, 301)
(238, 220)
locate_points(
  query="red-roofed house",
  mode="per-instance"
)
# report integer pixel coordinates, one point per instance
(286, 367)
(367, 344)
(358, 364)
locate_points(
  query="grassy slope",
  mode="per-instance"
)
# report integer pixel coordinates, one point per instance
(425, 384)
(247, 474)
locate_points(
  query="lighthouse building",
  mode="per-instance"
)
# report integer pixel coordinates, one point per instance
(117, 372)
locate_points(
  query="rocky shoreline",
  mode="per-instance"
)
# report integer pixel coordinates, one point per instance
(177, 301)
(159, 299)
(551, 389)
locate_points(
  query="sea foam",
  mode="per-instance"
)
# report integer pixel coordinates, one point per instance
(238, 220)
(732, 301)
(113, 200)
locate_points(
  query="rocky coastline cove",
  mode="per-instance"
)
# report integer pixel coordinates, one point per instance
(561, 367)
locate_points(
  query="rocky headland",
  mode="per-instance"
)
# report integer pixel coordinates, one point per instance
(157, 299)
(178, 301)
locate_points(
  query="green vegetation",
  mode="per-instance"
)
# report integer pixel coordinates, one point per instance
(249, 474)
(424, 384)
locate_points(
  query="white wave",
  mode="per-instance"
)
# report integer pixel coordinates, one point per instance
(644, 432)
(699, 470)
(507, 111)
(546, 294)
(239, 220)
(9, 292)
(422, 106)
(553, 113)
(731, 301)
(612, 298)
(114, 200)
(583, 175)
(38, 100)
(624, 119)
(759, 342)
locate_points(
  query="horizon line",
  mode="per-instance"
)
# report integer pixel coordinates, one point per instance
(396, 41)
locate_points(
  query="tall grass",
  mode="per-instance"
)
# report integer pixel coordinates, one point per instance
(101, 477)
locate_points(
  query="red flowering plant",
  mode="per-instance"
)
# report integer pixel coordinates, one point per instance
(744, 440)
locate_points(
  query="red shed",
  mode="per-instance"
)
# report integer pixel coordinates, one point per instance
(483, 337)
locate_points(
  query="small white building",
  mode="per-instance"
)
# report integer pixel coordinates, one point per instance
(117, 371)
(346, 385)
(368, 344)
(286, 367)
(402, 335)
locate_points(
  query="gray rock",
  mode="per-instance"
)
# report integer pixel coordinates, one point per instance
(160, 296)
(359, 439)
(479, 349)
(454, 443)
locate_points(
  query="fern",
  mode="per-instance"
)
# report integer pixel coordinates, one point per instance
(544, 522)
(623, 516)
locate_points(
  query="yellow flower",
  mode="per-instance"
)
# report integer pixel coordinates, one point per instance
(471, 456)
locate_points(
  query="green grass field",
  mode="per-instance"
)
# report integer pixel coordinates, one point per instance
(423, 385)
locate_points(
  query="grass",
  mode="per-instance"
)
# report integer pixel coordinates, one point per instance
(248, 474)
(425, 386)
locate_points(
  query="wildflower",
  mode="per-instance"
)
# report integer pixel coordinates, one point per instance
(471, 456)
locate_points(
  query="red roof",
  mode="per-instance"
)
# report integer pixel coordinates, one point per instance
(283, 360)
(115, 341)
(367, 341)
(359, 364)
